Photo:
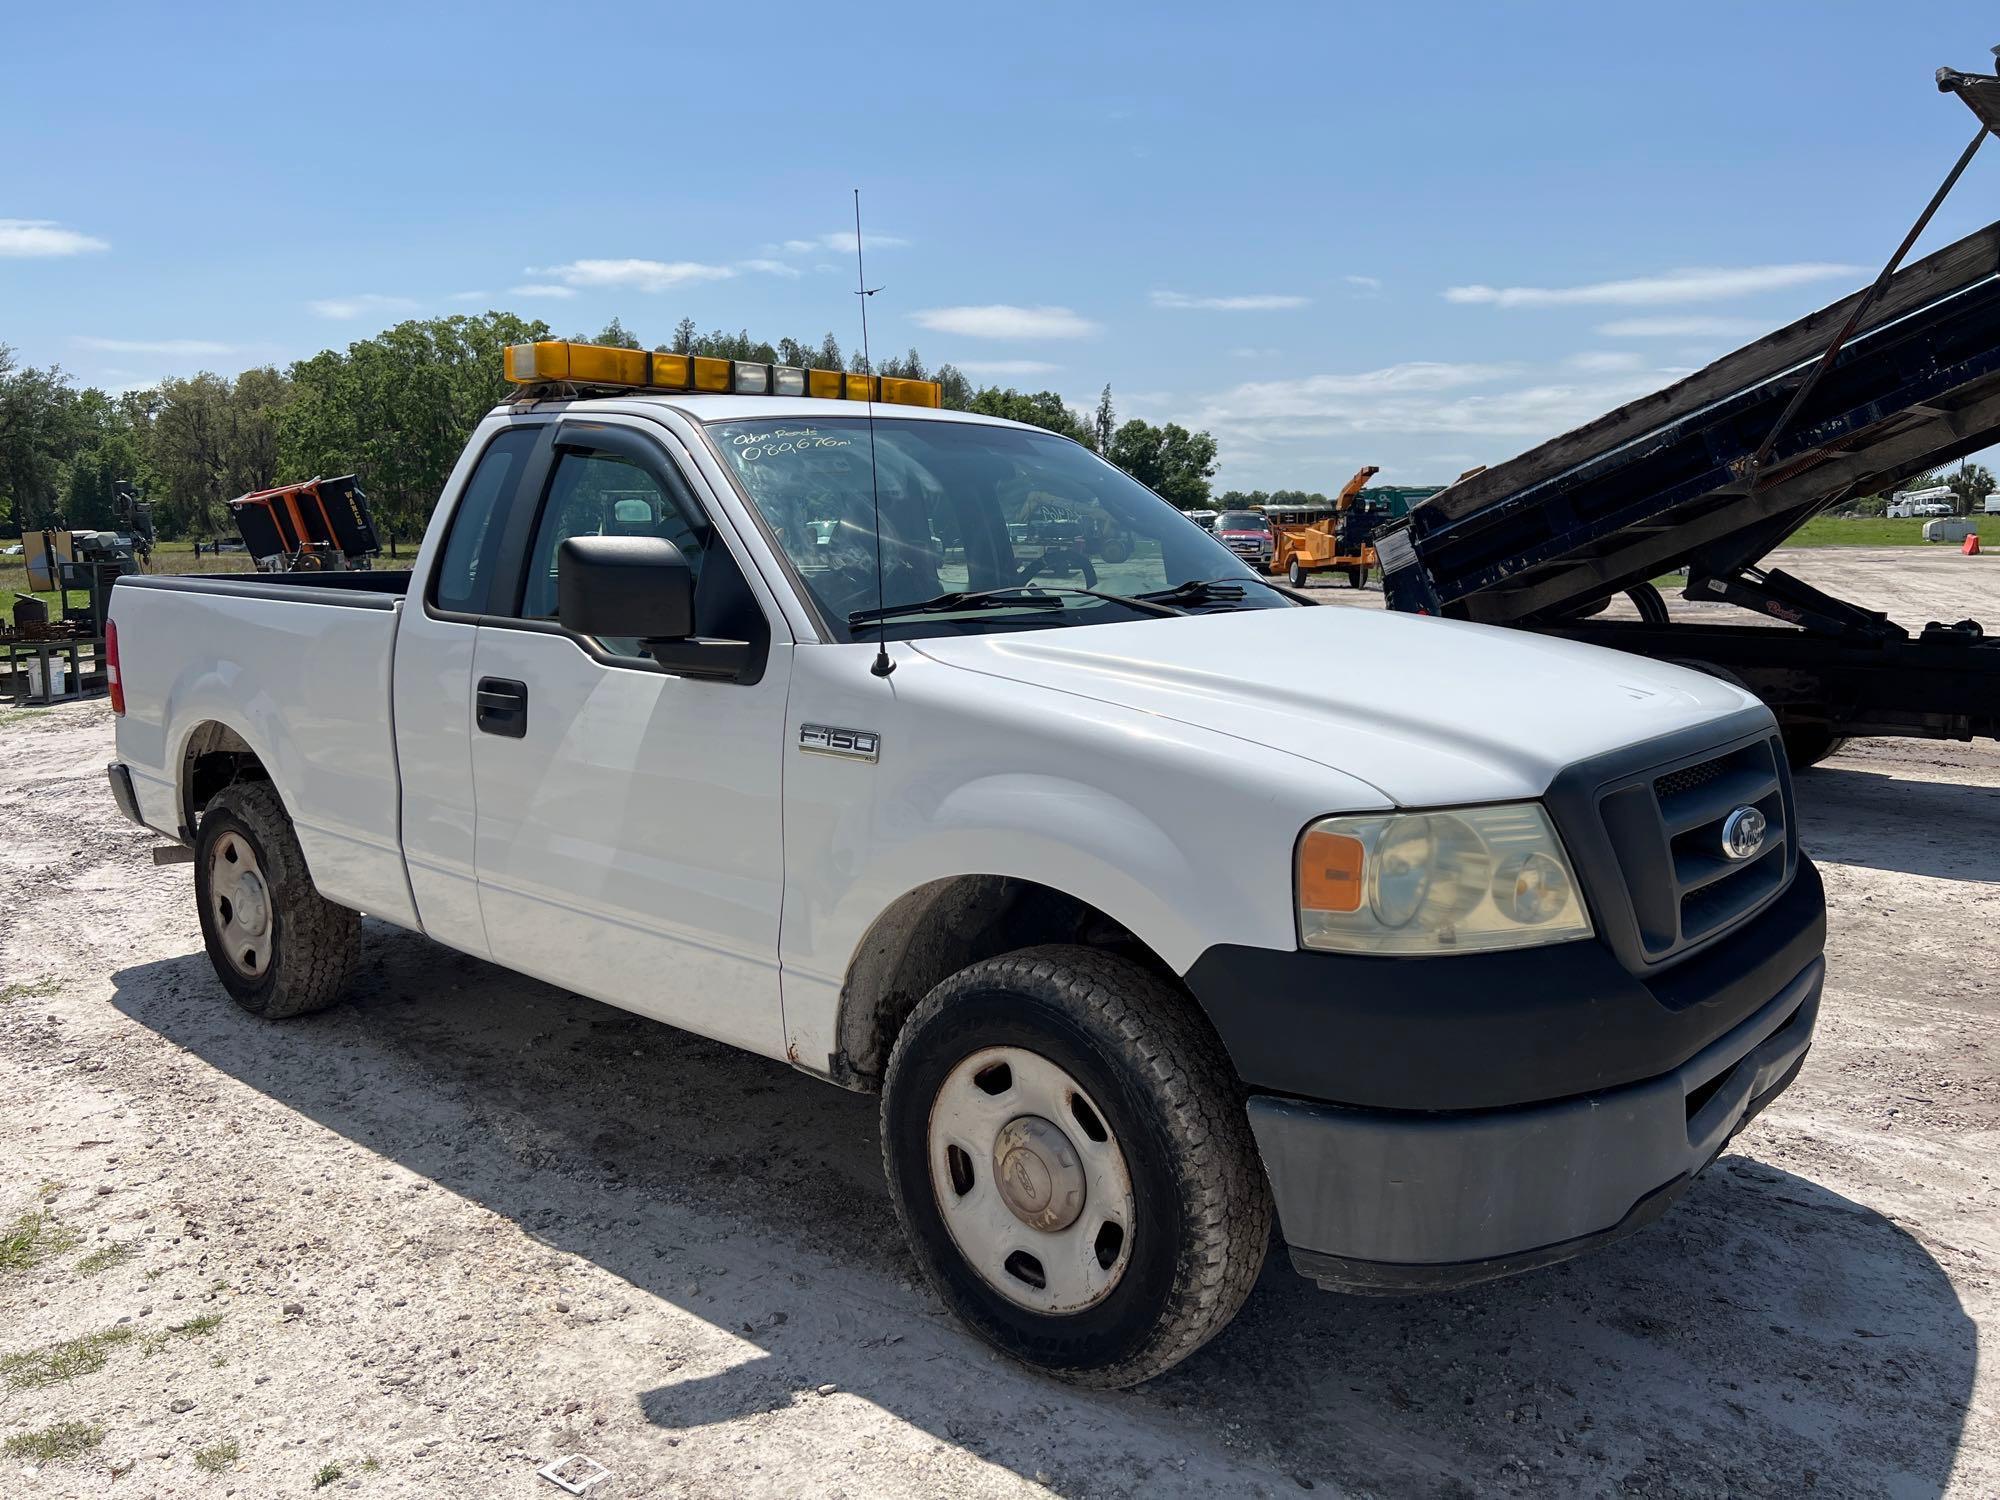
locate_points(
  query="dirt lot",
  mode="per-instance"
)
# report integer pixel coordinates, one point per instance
(464, 1223)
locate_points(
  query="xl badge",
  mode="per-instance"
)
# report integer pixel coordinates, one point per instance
(1742, 833)
(849, 744)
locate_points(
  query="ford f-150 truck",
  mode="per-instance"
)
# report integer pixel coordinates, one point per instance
(725, 694)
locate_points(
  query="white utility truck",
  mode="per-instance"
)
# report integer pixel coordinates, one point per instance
(1152, 898)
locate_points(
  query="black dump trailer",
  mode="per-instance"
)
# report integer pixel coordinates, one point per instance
(1712, 473)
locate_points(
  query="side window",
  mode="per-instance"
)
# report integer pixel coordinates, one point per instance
(595, 494)
(472, 549)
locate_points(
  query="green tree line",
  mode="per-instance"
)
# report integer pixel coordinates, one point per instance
(396, 409)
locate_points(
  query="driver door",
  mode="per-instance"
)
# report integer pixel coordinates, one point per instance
(627, 822)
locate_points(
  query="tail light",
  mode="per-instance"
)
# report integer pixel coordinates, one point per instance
(111, 678)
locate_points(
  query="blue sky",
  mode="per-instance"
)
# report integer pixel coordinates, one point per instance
(1422, 236)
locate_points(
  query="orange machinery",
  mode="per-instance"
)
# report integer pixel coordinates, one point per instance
(1338, 539)
(317, 525)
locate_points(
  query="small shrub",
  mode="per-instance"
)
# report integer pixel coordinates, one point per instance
(104, 1257)
(217, 1456)
(64, 1361)
(326, 1475)
(34, 1238)
(54, 1445)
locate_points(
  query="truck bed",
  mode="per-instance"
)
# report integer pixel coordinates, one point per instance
(301, 664)
(1661, 483)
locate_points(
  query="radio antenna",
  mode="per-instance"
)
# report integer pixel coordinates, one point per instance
(883, 666)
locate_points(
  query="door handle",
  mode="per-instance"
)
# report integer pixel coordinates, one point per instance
(501, 707)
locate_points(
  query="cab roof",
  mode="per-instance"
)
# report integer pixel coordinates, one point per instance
(702, 407)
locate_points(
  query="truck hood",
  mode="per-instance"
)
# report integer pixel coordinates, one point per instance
(1430, 712)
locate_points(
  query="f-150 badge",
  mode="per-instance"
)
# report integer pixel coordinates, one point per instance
(849, 744)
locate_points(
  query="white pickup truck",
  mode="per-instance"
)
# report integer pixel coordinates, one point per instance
(1152, 898)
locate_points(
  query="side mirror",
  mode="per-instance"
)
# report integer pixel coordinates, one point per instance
(624, 586)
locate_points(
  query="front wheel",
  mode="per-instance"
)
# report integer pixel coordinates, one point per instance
(1806, 745)
(1068, 1153)
(1295, 573)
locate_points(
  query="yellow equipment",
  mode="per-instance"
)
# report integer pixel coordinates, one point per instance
(1334, 540)
(555, 362)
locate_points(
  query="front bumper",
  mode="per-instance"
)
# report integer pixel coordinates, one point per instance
(1381, 1202)
(1433, 1122)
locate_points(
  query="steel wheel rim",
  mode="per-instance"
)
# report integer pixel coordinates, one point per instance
(239, 900)
(1007, 1163)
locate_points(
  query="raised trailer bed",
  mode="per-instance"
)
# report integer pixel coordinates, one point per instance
(1712, 473)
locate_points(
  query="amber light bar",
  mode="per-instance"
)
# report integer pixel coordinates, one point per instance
(554, 361)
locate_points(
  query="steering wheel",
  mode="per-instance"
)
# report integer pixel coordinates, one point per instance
(1075, 556)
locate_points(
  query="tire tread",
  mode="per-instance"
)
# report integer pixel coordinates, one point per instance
(319, 939)
(1155, 1029)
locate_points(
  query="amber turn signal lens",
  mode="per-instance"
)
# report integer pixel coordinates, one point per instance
(1330, 867)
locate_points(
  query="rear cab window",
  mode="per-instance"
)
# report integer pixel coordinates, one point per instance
(471, 560)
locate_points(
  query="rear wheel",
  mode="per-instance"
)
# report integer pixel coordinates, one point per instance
(279, 947)
(1295, 573)
(1357, 576)
(1068, 1152)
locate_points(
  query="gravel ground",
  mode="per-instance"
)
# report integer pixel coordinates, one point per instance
(464, 1223)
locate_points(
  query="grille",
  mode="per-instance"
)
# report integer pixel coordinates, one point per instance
(1666, 830)
(1689, 779)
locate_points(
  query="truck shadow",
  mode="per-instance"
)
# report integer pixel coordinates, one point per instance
(1767, 1337)
(1945, 829)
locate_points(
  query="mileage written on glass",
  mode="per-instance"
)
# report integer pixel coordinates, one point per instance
(749, 447)
(962, 507)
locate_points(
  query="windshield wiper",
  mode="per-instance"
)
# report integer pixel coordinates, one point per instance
(1197, 591)
(1020, 595)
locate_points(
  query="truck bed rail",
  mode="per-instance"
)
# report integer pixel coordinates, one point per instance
(352, 590)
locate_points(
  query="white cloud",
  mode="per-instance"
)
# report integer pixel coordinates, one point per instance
(362, 304)
(1364, 283)
(1698, 284)
(640, 275)
(1000, 320)
(1695, 327)
(156, 346)
(843, 241)
(1411, 398)
(769, 267)
(37, 239)
(1255, 302)
(468, 296)
(542, 289)
(1007, 366)
(1606, 361)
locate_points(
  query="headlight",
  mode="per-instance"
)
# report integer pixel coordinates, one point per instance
(1437, 882)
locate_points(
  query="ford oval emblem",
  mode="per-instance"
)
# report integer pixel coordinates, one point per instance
(1742, 833)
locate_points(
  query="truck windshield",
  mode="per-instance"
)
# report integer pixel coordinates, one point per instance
(971, 509)
(1242, 520)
